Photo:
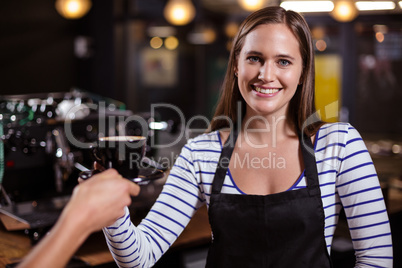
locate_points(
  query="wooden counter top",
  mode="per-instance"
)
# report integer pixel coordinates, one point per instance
(15, 245)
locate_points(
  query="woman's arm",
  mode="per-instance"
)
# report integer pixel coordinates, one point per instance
(361, 196)
(179, 200)
(95, 203)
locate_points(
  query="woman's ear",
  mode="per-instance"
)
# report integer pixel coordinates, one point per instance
(301, 79)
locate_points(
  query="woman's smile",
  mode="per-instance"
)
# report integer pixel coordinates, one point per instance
(265, 92)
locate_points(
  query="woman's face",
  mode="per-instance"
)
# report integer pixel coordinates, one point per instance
(269, 69)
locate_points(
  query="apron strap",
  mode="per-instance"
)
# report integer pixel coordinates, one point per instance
(223, 163)
(310, 164)
(307, 149)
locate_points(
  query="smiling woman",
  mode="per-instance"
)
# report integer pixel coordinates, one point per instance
(276, 202)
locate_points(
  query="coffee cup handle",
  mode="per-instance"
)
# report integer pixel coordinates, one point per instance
(97, 159)
(94, 153)
(86, 174)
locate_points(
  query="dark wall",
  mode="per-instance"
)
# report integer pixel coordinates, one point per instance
(96, 72)
(37, 54)
(36, 48)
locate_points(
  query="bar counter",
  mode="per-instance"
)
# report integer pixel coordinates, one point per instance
(14, 245)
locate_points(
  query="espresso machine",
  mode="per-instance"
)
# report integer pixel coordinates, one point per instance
(44, 144)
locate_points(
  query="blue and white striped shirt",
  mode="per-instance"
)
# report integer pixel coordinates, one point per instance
(347, 179)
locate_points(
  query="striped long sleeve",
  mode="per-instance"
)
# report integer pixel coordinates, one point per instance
(180, 198)
(360, 193)
(347, 180)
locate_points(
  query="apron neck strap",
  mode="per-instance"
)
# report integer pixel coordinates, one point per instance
(307, 149)
(310, 165)
(223, 163)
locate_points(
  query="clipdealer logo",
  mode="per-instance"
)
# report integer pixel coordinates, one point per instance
(271, 160)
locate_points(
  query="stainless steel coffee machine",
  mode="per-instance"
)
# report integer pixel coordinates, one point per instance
(45, 135)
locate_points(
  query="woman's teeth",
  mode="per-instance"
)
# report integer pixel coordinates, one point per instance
(266, 91)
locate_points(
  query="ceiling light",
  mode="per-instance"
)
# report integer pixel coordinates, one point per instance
(156, 42)
(321, 45)
(73, 9)
(179, 12)
(344, 10)
(231, 29)
(318, 32)
(380, 37)
(171, 43)
(251, 5)
(308, 6)
(375, 5)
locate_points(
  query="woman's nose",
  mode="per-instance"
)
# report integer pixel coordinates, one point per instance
(267, 73)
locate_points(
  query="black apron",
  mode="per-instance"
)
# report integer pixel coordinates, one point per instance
(278, 230)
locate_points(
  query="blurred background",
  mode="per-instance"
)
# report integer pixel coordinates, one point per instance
(129, 55)
(128, 50)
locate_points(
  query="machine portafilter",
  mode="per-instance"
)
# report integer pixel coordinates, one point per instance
(58, 146)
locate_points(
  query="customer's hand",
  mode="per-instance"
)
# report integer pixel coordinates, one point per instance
(99, 201)
(95, 203)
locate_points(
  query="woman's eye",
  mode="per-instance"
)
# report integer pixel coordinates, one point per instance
(253, 59)
(284, 62)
